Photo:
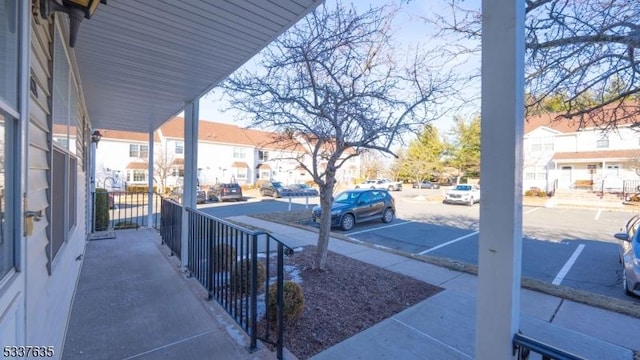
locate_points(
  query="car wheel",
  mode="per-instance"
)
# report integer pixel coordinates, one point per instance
(347, 222)
(471, 202)
(387, 216)
(276, 194)
(625, 284)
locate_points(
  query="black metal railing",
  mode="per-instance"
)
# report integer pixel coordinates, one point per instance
(126, 210)
(523, 346)
(237, 266)
(630, 188)
(171, 225)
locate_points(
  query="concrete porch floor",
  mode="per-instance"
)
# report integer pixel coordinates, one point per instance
(133, 302)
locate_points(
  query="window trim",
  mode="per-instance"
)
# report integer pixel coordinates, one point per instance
(69, 202)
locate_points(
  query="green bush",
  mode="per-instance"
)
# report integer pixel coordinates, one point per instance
(293, 301)
(242, 274)
(101, 213)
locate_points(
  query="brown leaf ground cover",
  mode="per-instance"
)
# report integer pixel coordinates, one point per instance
(345, 300)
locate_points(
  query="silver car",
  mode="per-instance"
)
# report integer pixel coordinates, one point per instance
(630, 256)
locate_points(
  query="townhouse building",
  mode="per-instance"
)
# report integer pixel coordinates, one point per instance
(559, 153)
(226, 153)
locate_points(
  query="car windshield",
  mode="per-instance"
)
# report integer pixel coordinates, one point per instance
(347, 197)
(463, 187)
(277, 184)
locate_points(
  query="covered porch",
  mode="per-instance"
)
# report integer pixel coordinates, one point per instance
(147, 71)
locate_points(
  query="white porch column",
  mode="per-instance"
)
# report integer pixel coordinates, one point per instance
(150, 206)
(500, 248)
(191, 115)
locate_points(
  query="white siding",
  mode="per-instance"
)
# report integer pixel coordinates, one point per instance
(49, 286)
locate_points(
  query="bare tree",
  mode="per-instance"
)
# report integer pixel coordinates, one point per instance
(370, 165)
(335, 84)
(585, 52)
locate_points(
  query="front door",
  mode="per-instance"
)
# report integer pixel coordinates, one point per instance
(565, 177)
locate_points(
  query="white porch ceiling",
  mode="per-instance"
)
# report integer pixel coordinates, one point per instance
(139, 61)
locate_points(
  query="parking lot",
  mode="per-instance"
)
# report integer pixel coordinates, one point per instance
(566, 247)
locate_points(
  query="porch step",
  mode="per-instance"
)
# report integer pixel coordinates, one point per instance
(585, 194)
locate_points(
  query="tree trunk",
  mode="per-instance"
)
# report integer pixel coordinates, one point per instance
(322, 247)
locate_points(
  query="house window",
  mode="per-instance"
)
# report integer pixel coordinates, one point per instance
(64, 169)
(239, 153)
(139, 175)
(179, 147)
(602, 143)
(535, 173)
(138, 151)
(263, 155)
(9, 114)
(241, 173)
(543, 143)
(177, 172)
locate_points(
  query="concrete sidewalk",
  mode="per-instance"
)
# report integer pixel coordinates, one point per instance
(443, 326)
(133, 302)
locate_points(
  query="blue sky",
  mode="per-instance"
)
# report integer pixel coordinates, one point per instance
(409, 30)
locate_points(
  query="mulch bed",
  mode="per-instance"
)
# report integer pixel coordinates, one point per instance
(345, 300)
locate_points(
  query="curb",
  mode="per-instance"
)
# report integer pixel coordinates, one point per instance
(619, 306)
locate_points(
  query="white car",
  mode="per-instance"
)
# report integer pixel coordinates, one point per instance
(382, 184)
(463, 194)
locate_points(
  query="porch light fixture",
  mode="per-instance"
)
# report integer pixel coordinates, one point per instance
(96, 136)
(76, 9)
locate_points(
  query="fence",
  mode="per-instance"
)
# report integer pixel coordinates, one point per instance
(127, 210)
(236, 266)
(630, 188)
(523, 346)
(171, 226)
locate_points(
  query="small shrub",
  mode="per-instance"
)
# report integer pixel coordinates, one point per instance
(635, 198)
(225, 255)
(293, 301)
(140, 189)
(242, 274)
(101, 215)
(535, 192)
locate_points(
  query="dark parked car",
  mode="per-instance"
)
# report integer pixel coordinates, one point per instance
(354, 206)
(201, 197)
(225, 191)
(630, 256)
(275, 189)
(303, 190)
(425, 184)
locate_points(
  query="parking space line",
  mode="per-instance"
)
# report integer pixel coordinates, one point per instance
(567, 266)
(531, 210)
(598, 214)
(378, 228)
(448, 243)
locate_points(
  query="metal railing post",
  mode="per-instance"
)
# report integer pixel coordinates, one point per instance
(254, 292)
